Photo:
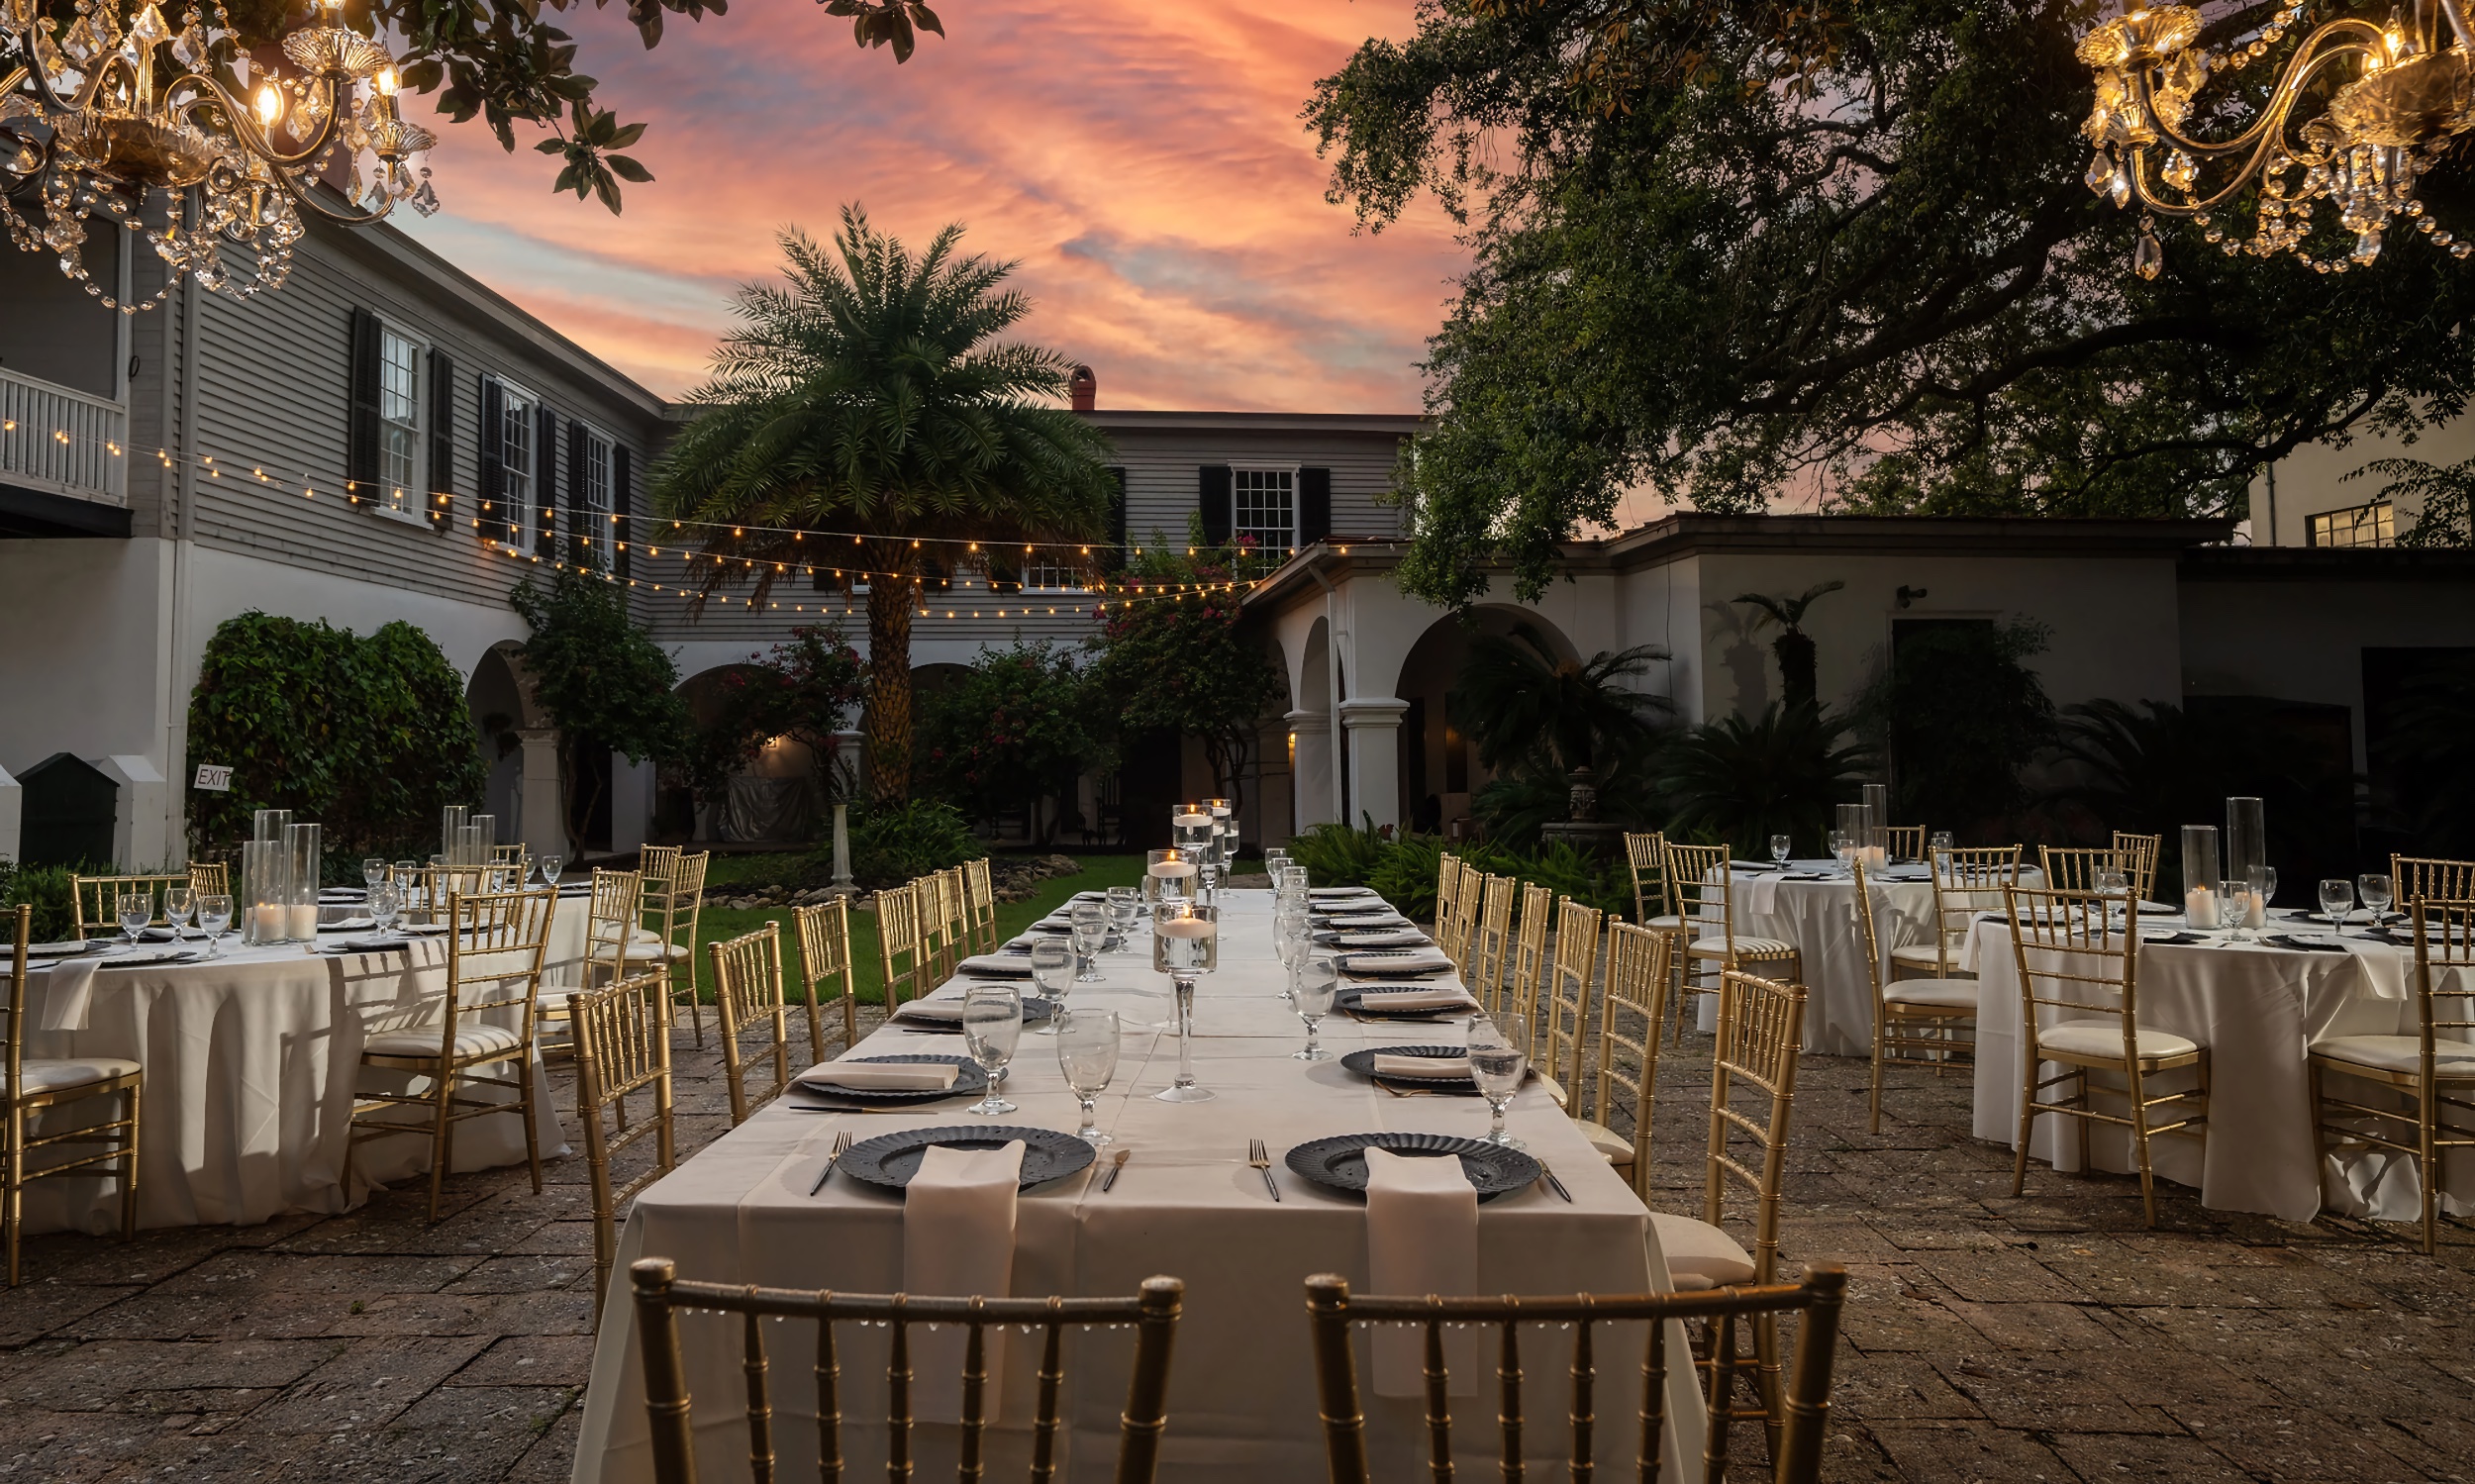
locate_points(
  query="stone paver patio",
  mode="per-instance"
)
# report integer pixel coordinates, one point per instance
(2048, 1339)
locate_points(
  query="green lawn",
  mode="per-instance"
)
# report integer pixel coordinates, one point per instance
(720, 925)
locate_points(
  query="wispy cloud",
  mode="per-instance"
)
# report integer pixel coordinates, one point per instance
(1144, 163)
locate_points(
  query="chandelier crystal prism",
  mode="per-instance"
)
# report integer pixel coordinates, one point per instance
(107, 113)
(2396, 95)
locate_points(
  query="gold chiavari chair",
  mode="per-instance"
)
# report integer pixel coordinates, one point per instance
(611, 915)
(979, 890)
(825, 959)
(1904, 842)
(1530, 952)
(674, 907)
(37, 1084)
(210, 878)
(622, 1049)
(2435, 1067)
(2139, 854)
(494, 950)
(657, 862)
(1913, 1020)
(2076, 961)
(1447, 890)
(434, 886)
(1457, 921)
(2412, 876)
(1796, 1450)
(956, 900)
(660, 1294)
(899, 947)
(1632, 1011)
(1563, 1026)
(1761, 1025)
(1965, 882)
(98, 910)
(1701, 881)
(1492, 942)
(1645, 856)
(748, 989)
(517, 858)
(2075, 869)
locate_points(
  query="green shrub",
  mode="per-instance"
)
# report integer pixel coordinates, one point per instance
(46, 888)
(890, 843)
(1335, 854)
(1406, 872)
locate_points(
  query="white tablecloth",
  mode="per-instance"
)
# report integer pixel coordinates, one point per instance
(2257, 1007)
(1819, 917)
(250, 1064)
(1241, 1399)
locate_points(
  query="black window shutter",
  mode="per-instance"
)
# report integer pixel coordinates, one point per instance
(1214, 481)
(1113, 559)
(622, 505)
(492, 447)
(1314, 506)
(579, 520)
(546, 481)
(360, 459)
(442, 437)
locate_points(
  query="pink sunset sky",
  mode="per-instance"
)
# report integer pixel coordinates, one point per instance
(1144, 162)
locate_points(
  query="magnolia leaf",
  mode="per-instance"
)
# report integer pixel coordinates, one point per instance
(926, 18)
(627, 170)
(553, 147)
(626, 136)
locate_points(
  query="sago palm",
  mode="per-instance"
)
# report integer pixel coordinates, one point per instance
(869, 395)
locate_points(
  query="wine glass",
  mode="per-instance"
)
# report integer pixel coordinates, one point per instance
(1315, 982)
(1052, 969)
(1125, 903)
(1780, 845)
(214, 917)
(1499, 1057)
(1943, 840)
(2234, 908)
(136, 909)
(2263, 882)
(550, 867)
(1091, 930)
(992, 1026)
(373, 870)
(1087, 1046)
(386, 904)
(1185, 944)
(2336, 900)
(178, 903)
(2374, 888)
(1843, 847)
(1292, 934)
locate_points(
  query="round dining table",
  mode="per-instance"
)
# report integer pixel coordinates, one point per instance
(252, 1059)
(1812, 904)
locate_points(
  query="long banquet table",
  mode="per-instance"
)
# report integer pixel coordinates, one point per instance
(2257, 1007)
(1241, 1400)
(252, 1059)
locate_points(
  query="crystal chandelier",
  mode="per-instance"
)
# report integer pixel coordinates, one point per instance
(2395, 98)
(105, 111)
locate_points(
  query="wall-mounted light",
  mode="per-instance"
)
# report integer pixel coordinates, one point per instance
(1907, 595)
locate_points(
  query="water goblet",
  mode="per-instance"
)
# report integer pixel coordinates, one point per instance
(1941, 840)
(1185, 944)
(1091, 931)
(178, 903)
(1052, 969)
(2336, 900)
(386, 904)
(135, 909)
(551, 868)
(992, 1026)
(1293, 936)
(1780, 845)
(2236, 909)
(373, 870)
(1843, 848)
(1125, 904)
(214, 917)
(1499, 1058)
(1315, 981)
(2375, 889)
(1087, 1046)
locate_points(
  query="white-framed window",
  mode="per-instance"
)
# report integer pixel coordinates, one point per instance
(597, 533)
(403, 453)
(1263, 507)
(519, 462)
(1047, 576)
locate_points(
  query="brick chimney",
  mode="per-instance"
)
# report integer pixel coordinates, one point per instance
(1084, 387)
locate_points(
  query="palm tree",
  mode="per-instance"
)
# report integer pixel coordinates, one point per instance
(869, 395)
(1794, 647)
(1518, 694)
(1779, 773)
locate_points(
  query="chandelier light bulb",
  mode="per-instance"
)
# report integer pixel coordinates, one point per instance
(269, 105)
(386, 83)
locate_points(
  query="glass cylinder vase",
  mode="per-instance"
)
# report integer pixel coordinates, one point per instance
(2201, 875)
(270, 824)
(302, 844)
(451, 820)
(266, 891)
(2246, 838)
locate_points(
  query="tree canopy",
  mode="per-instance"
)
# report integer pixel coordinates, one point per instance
(1725, 251)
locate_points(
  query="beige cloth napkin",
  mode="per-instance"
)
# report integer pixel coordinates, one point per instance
(997, 965)
(1418, 999)
(68, 994)
(945, 1012)
(958, 1242)
(1421, 1238)
(1404, 961)
(901, 1076)
(1421, 1066)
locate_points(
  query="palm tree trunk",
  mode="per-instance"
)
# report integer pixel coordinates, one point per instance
(887, 717)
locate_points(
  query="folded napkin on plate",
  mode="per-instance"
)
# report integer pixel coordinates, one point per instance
(1384, 919)
(958, 1242)
(1406, 962)
(997, 966)
(368, 946)
(1421, 1238)
(946, 1011)
(69, 992)
(349, 925)
(880, 1076)
(1053, 926)
(2304, 945)
(1332, 893)
(1445, 997)
(1388, 938)
(1421, 1066)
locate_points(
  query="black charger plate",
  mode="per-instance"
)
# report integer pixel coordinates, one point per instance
(1339, 1162)
(1037, 1009)
(1362, 1062)
(891, 1159)
(970, 1082)
(1353, 1000)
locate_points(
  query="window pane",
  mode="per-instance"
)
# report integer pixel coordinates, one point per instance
(1262, 507)
(399, 414)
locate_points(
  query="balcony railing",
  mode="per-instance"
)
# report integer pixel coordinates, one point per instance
(61, 442)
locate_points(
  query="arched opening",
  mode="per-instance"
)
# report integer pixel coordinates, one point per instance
(501, 710)
(1312, 738)
(775, 797)
(1440, 767)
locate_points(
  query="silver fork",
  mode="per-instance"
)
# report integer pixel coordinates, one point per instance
(1262, 1158)
(841, 1146)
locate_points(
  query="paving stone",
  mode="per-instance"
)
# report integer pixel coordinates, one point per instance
(531, 1360)
(2294, 1443)
(366, 1384)
(303, 1272)
(526, 1273)
(2100, 1457)
(2047, 1393)
(131, 1375)
(1974, 1452)
(29, 1312)
(72, 1448)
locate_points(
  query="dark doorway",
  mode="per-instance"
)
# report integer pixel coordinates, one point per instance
(1150, 779)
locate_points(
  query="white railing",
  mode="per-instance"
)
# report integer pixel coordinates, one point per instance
(62, 442)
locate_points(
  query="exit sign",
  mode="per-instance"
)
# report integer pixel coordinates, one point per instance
(215, 779)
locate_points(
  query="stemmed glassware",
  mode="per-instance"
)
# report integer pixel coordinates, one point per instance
(1168, 874)
(1312, 983)
(1499, 1057)
(1943, 840)
(2336, 900)
(136, 909)
(1091, 930)
(374, 871)
(2375, 889)
(386, 904)
(551, 868)
(992, 1026)
(214, 919)
(2262, 880)
(2234, 908)
(178, 903)
(1052, 969)
(1843, 846)
(1087, 1046)
(1125, 905)
(1780, 845)
(1185, 943)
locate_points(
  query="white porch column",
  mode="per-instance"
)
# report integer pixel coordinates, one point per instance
(139, 842)
(631, 803)
(542, 827)
(1374, 724)
(11, 815)
(1310, 768)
